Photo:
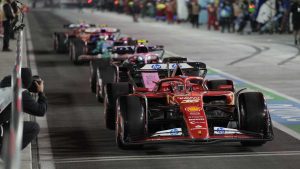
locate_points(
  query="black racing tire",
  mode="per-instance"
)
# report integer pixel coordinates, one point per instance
(93, 75)
(253, 117)
(59, 42)
(95, 67)
(78, 49)
(70, 39)
(130, 126)
(105, 74)
(100, 90)
(214, 84)
(112, 92)
(71, 49)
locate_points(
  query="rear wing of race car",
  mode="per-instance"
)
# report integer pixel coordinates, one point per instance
(121, 50)
(125, 41)
(111, 30)
(130, 49)
(157, 48)
(150, 73)
(102, 30)
(187, 68)
(78, 25)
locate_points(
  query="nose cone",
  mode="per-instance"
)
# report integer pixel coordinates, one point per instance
(196, 121)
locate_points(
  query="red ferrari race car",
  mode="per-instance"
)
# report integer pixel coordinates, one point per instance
(191, 109)
(61, 39)
(142, 77)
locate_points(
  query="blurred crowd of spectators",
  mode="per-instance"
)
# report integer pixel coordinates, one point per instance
(263, 16)
(241, 16)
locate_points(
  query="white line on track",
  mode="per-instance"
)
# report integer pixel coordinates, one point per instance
(275, 124)
(172, 157)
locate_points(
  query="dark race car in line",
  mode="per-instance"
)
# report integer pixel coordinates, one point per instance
(61, 39)
(102, 66)
(92, 41)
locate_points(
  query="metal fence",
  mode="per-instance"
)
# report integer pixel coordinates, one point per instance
(12, 141)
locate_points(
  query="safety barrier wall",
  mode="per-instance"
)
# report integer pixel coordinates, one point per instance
(12, 144)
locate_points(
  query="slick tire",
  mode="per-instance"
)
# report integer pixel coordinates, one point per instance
(59, 43)
(105, 74)
(112, 92)
(71, 49)
(93, 75)
(130, 126)
(96, 66)
(253, 116)
(78, 49)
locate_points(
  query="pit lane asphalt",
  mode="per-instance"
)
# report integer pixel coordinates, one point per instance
(78, 137)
